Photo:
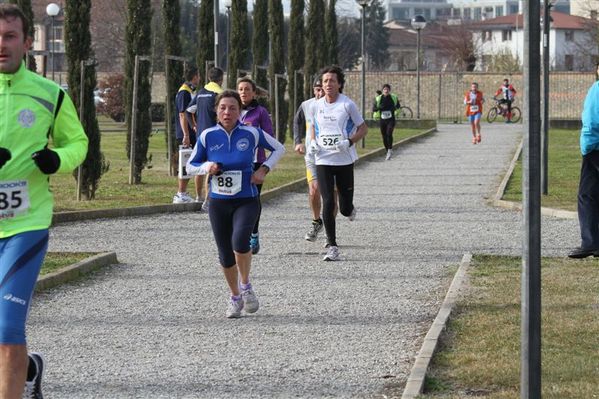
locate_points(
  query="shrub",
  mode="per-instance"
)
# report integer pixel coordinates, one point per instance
(111, 89)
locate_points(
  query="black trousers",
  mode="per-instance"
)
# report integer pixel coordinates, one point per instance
(330, 176)
(387, 127)
(588, 201)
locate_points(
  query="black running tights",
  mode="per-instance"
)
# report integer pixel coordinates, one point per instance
(343, 177)
(387, 127)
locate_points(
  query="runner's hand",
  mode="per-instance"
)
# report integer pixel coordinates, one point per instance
(343, 145)
(300, 148)
(314, 148)
(4, 156)
(46, 160)
(186, 141)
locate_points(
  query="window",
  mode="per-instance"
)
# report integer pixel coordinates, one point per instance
(56, 42)
(569, 35)
(488, 12)
(487, 35)
(457, 13)
(498, 11)
(400, 13)
(467, 13)
(477, 14)
(513, 9)
(593, 14)
(569, 62)
(506, 35)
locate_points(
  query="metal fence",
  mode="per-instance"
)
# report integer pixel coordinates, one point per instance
(441, 94)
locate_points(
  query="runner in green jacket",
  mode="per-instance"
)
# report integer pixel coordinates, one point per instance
(40, 134)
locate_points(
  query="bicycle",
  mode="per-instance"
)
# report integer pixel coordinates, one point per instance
(501, 109)
(404, 112)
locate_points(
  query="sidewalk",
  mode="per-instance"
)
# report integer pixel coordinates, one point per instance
(154, 326)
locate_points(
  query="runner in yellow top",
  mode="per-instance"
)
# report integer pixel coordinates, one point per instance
(33, 112)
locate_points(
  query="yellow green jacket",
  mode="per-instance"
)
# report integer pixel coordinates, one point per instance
(34, 111)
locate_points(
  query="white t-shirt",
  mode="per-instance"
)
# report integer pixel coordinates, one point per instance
(308, 108)
(332, 123)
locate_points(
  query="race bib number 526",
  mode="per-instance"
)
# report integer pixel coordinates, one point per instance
(14, 198)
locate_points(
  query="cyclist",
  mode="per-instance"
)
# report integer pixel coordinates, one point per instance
(386, 104)
(34, 112)
(474, 100)
(505, 95)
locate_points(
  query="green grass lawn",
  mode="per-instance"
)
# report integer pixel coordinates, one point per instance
(564, 172)
(157, 186)
(480, 350)
(58, 260)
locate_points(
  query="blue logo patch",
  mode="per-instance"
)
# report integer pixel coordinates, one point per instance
(243, 144)
(26, 118)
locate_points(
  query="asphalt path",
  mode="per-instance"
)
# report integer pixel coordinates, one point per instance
(154, 326)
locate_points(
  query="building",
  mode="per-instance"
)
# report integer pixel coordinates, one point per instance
(572, 41)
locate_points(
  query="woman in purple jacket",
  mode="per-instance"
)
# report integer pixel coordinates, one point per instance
(253, 114)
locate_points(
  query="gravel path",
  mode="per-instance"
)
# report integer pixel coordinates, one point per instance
(154, 326)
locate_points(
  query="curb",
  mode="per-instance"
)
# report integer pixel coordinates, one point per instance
(415, 381)
(296, 185)
(517, 206)
(72, 272)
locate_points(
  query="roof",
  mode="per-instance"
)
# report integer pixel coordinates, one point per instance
(560, 21)
(434, 36)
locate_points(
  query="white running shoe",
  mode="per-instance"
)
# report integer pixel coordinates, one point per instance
(352, 215)
(198, 199)
(235, 307)
(182, 198)
(332, 254)
(312, 234)
(35, 371)
(250, 300)
(389, 153)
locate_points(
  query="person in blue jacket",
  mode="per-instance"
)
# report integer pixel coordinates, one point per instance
(588, 189)
(226, 153)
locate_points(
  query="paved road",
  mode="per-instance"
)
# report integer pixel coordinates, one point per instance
(154, 326)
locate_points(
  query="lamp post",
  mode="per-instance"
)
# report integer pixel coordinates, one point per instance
(418, 23)
(216, 11)
(363, 4)
(546, 20)
(52, 10)
(228, 4)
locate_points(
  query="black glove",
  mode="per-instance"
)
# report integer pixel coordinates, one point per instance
(47, 160)
(4, 156)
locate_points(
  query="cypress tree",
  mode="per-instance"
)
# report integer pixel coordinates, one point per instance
(239, 52)
(78, 49)
(296, 55)
(139, 30)
(377, 36)
(205, 47)
(331, 34)
(171, 14)
(277, 63)
(25, 6)
(260, 42)
(315, 46)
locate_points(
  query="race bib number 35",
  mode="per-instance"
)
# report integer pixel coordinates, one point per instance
(14, 198)
(228, 183)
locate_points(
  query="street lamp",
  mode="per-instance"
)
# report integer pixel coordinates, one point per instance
(52, 10)
(228, 4)
(363, 4)
(418, 23)
(216, 11)
(545, 24)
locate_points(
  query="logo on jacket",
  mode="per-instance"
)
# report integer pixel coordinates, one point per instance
(26, 118)
(216, 147)
(243, 144)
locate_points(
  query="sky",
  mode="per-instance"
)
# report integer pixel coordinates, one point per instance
(345, 8)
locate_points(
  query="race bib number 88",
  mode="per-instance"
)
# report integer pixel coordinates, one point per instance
(228, 183)
(14, 198)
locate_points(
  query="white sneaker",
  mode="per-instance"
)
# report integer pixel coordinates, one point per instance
(250, 300)
(315, 228)
(234, 309)
(389, 153)
(352, 215)
(182, 198)
(198, 199)
(332, 254)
